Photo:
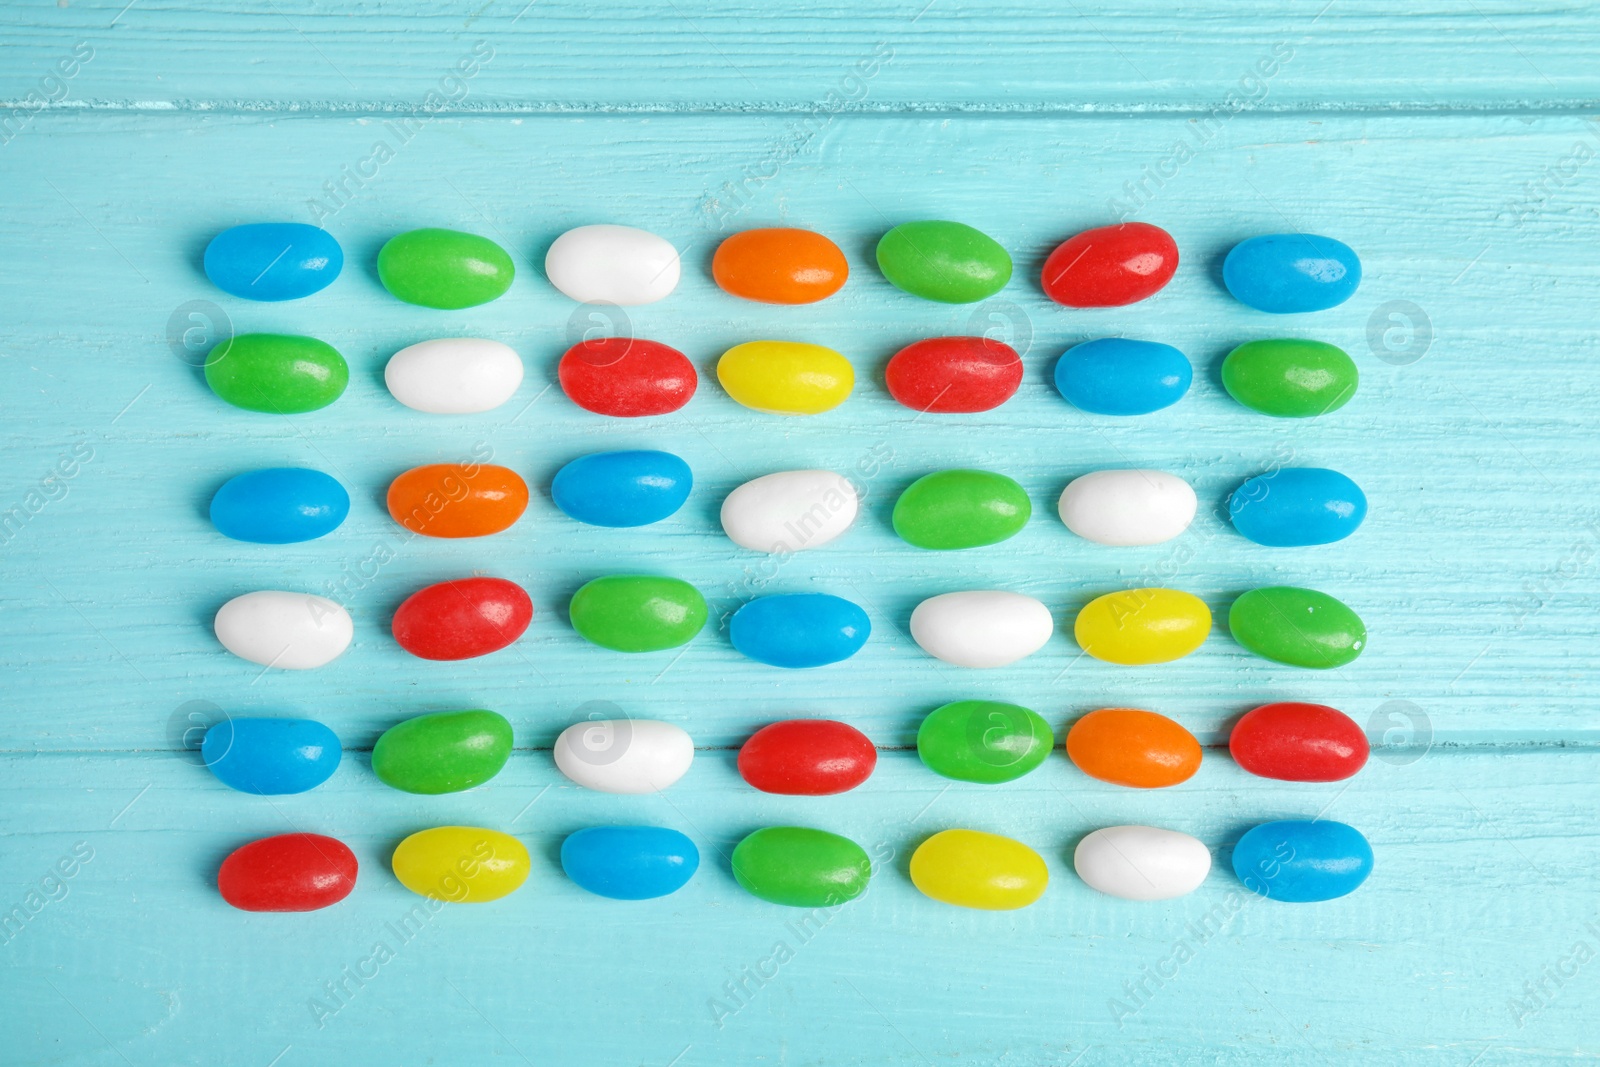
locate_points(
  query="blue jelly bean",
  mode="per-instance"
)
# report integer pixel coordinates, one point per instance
(1287, 272)
(279, 506)
(1302, 860)
(271, 756)
(622, 488)
(799, 629)
(1296, 506)
(1116, 376)
(629, 862)
(273, 260)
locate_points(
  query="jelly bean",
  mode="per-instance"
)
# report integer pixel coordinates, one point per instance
(457, 499)
(1295, 742)
(461, 864)
(627, 377)
(279, 506)
(945, 261)
(1127, 507)
(276, 373)
(289, 872)
(780, 266)
(1290, 378)
(1139, 749)
(629, 862)
(954, 374)
(1142, 862)
(807, 758)
(637, 612)
(444, 269)
(1288, 272)
(1140, 626)
(622, 489)
(799, 629)
(786, 377)
(462, 619)
(1111, 266)
(624, 755)
(454, 375)
(444, 752)
(608, 264)
(801, 867)
(1297, 506)
(1302, 861)
(291, 631)
(973, 869)
(981, 627)
(273, 260)
(1118, 376)
(271, 757)
(983, 741)
(960, 509)
(789, 511)
(1300, 627)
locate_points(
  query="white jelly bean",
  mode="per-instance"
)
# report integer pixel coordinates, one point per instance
(294, 631)
(1142, 862)
(624, 755)
(789, 511)
(981, 628)
(612, 265)
(454, 375)
(1128, 507)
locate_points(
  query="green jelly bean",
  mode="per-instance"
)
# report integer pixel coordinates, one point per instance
(961, 509)
(637, 612)
(444, 268)
(945, 261)
(984, 741)
(800, 867)
(277, 373)
(1300, 627)
(1290, 378)
(444, 752)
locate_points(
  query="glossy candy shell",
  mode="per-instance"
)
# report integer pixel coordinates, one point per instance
(629, 862)
(461, 864)
(981, 628)
(1139, 749)
(457, 499)
(444, 752)
(786, 377)
(273, 260)
(1142, 626)
(279, 506)
(973, 869)
(1119, 376)
(801, 867)
(610, 264)
(1296, 742)
(807, 757)
(961, 509)
(637, 612)
(984, 741)
(289, 872)
(454, 375)
(954, 375)
(1297, 506)
(286, 630)
(627, 377)
(622, 489)
(789, 511)
(780, 266)
(1302, 861)
(271, 757)
(1291, 272)
(1290, 378)
(444, 269)
(462, 619)
(1299, 627)
(1111, 266)
(629, 756)
(1142, 862)
(945, 261)
(799, 629)
(279, 374)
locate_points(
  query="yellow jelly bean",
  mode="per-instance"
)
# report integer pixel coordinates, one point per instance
(461, 864)
(786, 377)
(1143, 626)
(972, 869)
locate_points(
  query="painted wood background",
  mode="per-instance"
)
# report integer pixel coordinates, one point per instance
(1452, 145)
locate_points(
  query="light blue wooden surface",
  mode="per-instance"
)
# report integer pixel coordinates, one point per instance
(1455, 155)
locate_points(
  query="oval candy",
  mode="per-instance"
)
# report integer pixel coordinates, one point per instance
(1295, 742)
(786, 377)
(1300, 627)
(1295, 507)
(1302, 861)
(1290, 378)
(945, 261)
(291, 631)
(779, 266)
(273, 260)
(271, 757)
(624, 755)
(637, 612)
(444, 269)
(1110, 266)
(954, 374)
(984, 741)
(442, 752)
(276, 373)
(1139, 749)
(961, 509)
(629, 862)
(457, 499)
(1141, 626)
(1119, 376)
(627, 377)
(1138, 507)
(289, 872)
(973, 869)
(981, 627)
(622, 489)
(606, 264)
(799, 629)
(1142, 862)
(807, 757)
(461, 864)
(789, 511)
(1289, 272)
(279, 506)
(462, 619)
(801, 867)
(454, 375)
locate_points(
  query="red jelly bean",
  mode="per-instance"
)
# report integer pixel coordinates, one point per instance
(462, 619)
(626, 377)
(1110, 266)
(1298, 743)
(954, 374)
(290, 872)
(807, 757)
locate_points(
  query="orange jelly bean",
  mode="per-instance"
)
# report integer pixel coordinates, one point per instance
(780, 266)
(1126, 746)
(457, 499)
